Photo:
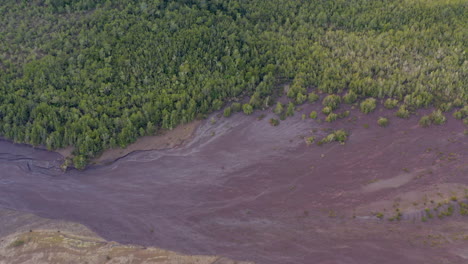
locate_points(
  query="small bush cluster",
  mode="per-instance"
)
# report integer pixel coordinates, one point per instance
(350, 97)
(423, 99)
(310, 140)
(391, 103)
(313, 97)
(425, 121)
(445, 107)
(327, 110)
(236, 107)
(462, 113)
(403, 112)
(368, 105)
(437, 117)
(290, 110)
(300, 98)
(343, 114)
(279, 108)
(227, 112)
(382, 121)
(337, 135)
(247, 108)
(313, 115)
(331, 117)
(333, 101)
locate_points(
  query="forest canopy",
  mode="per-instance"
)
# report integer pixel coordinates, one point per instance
(99, 74)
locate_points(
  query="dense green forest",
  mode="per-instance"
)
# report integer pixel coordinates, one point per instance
(97, 74)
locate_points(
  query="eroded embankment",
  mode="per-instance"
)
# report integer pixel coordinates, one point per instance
(45, 241)
(249, 191)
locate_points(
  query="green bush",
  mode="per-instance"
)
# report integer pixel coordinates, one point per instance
(344, 114)
(300, 98)
(445, 107)
(462, 113)
(313, 115)
(79, 162)
(326, 110)
(227, 112)
(402, 112)
(382, 121)
(337, 135)
(368, 105)
(290, 110)
(236, 107)
(331, 117)
(341, 135)
(333, 101)
(350, 97)
(279, 108)
(425, 121)
(457, 102)
(458, 114)
(310, 140)
(437, 117)
(247, 108)
(418, 100)
(313, 97)
(390, 103)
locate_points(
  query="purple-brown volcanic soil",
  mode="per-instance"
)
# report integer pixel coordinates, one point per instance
(249, 191)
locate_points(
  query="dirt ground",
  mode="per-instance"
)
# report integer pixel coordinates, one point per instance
(45, 241)
(243, 189)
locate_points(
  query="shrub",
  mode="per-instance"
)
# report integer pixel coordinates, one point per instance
(445, 107)
(227, 112)
(379, 215)
(368, 105)
(331, 117)
(313, 97)
(458, 102)
(425, 121)
(350, 97)
(341, 135)
(236, 107)
(290, 110)
(403, 112)
(313, 115)
(303, 117)
(247, 108)
(390, 103)
(337, 135)
(458, 114)
(274, 122)
(326, 110)
(344, 114)
(422, 99)
(438, 117)
(462, 113)
(300, 98)
(382, 121)
(279, 108)
(310, 140)
(79, 162)
(333, 101)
